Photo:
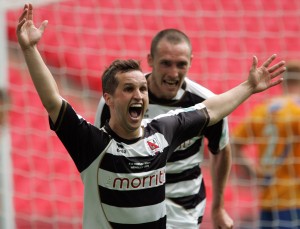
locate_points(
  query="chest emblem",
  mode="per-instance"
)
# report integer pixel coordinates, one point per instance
(153, 145)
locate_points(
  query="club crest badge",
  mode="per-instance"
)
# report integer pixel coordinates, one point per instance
(153, 145)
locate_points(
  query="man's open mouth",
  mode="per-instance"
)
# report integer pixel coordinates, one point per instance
(135, 110)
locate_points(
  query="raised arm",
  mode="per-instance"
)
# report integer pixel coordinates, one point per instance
(259, 79)
(28, 37)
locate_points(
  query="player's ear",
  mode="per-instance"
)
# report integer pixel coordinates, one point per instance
(150, 60)
(191, 59)
(108, 99)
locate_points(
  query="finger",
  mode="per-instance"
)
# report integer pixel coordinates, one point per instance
(23, 15)
(25, 6)
(276, 66)
(21, 23)
(280, 71)
(279, 81)
(254, 63)
(30, 14)
(269, 61)
(43, 26)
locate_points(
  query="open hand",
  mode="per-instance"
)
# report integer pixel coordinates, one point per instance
(28, 35)
(261, 78)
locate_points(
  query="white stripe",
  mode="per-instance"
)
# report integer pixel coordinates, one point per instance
(140, 148)
(178, 217)
(183, 188)
(187, 163)
(198, 210)
(225, 134)
(188, 143)
(198, 106)
(198, 89)
(131, 181)
(136, 215)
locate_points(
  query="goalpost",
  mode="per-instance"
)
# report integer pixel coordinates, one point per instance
(40, 186)
(6, 181)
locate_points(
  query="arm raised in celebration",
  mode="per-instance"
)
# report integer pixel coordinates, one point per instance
(259, 79)
(28, 38)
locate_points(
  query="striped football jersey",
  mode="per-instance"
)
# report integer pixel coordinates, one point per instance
(185, 189)
(124, 180)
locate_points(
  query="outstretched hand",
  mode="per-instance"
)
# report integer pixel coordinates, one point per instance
(261, 78)
(28, 35)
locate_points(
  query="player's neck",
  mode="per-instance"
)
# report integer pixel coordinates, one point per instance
(125, 133)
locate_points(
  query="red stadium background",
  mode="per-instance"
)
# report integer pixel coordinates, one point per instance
(83, 37)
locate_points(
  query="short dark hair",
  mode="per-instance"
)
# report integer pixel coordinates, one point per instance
(292, 72)
(109, 80)
(293, 66)
(174, 36)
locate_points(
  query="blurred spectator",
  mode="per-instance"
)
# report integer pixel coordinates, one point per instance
(274, 128)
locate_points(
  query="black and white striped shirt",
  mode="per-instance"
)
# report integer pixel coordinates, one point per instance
(124, 180)
(185, 189)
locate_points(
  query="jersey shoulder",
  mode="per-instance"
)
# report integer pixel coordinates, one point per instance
(197, 89)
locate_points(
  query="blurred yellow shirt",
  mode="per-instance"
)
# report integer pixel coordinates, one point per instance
(274, 127)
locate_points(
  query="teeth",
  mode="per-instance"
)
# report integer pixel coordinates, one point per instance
(136, 105)
(171, 81)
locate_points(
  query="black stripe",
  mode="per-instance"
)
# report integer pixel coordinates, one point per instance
(132, 198)
(122, 164)
(200, 219)
(189, 174)
(186, 153)
(189, 202)
(214, 134)
(159, 224)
